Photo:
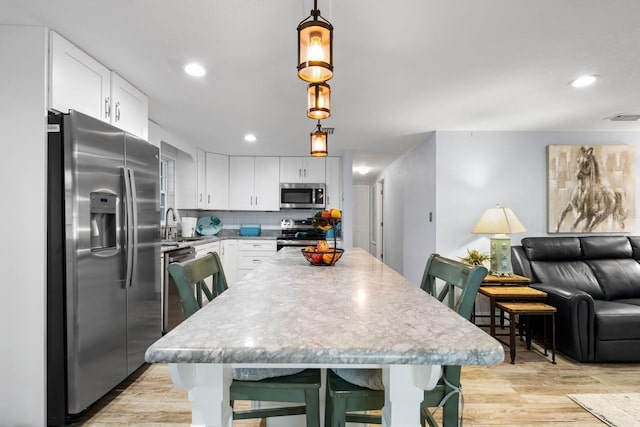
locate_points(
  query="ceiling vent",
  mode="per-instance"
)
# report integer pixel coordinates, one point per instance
(329, 131)
(625, 117)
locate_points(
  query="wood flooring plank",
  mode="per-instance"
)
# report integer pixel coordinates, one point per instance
(532, 392)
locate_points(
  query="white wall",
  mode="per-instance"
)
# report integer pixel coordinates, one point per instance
(23, 176)
(458, 175)
(347, 200)
(409, 197)
(477, 170)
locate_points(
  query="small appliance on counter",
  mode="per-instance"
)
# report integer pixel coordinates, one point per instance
(188, 225)
(250, 230)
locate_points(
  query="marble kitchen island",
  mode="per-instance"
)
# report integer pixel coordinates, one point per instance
(288, 313)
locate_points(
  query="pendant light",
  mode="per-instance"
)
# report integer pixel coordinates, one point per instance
(319, 143)
(319, 101)
(315, 48)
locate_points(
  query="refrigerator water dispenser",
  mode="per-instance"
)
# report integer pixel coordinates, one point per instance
(103, 221)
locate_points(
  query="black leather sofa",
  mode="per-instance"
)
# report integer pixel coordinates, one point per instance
(594, 282)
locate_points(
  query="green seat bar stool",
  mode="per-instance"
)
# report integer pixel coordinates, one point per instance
(362, 390)
(273, 385)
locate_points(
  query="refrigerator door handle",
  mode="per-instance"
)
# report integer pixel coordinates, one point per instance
(134, 226)
(128, 227)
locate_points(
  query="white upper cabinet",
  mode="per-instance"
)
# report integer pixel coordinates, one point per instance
(254, 183)
(79, 82)
(302, 169)
(217, 181)
(333, 193)
(129, 107)
(201, 179)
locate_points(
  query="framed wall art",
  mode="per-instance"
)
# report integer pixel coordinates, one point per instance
(591, 188)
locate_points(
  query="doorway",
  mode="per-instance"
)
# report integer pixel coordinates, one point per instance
(361, 217)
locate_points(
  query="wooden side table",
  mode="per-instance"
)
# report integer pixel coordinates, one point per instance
(513, 280)
(530, 309)
(491, 280)
(508, 293)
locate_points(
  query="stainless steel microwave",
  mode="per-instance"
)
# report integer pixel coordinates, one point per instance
(302, 196)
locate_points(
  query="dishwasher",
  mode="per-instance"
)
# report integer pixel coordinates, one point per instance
(172, 313)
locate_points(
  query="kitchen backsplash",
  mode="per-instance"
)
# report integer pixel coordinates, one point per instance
(268, 220)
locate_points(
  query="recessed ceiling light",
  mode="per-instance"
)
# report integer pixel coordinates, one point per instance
(195, 70)
(584, 81)
(250, 137)
(362, 170)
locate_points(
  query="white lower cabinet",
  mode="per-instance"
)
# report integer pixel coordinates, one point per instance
(253, 252)
(229, 255)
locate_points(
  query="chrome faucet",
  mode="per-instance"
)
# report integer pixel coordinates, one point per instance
(166, 222)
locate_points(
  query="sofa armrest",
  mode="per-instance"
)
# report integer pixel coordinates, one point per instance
(574, 320)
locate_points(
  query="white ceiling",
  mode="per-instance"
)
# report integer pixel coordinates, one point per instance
(402, 68)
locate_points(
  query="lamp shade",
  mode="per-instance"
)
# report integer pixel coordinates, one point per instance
(318, 101)
(315, 49)
(319, 143)
(498, 220)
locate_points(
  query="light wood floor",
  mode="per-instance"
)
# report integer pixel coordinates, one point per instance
(530, 393)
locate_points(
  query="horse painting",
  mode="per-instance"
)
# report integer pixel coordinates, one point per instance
(592, 201)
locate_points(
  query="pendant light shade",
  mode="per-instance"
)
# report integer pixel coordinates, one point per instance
(315, 48)
(319, 142)
(319, 101)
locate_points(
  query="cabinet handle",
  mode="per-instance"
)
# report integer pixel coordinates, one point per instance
(107, 108)
(305, 172)
(256, 200)
(117, 111)
(299, 173)
(208, 198)
(251, 200)
(200, 196)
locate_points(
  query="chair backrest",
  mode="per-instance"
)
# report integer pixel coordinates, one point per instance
(455, 275)
(189, 276)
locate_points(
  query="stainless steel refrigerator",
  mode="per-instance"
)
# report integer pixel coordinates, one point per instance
(103, 275)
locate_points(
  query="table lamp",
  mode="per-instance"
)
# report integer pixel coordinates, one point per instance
(499, 221)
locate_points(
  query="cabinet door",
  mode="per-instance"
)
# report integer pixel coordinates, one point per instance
(229, 258)
(217, 181)
(267, 184)
(334, 183)
(290, 169)
(77, 81)
(129, 107)
(313, 170)
(241, 177)
(201, 179)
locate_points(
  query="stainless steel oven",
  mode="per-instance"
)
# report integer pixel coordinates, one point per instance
(302, 196)
(298, 233)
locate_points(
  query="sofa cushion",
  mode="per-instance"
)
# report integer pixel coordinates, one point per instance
(616, 321)
(605, 247)
(552, 248)
(618, 278)
(632, 301)
(635, 246)
(568, 274)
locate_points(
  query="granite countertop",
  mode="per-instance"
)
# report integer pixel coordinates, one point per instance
(359, 311)
(222, 235)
